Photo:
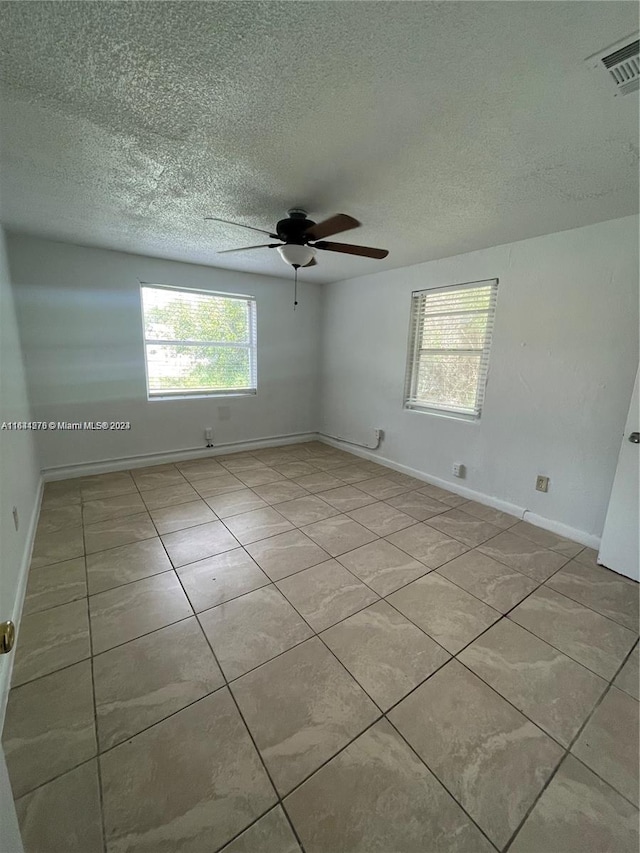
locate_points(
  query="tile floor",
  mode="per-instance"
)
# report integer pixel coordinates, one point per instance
(298, 650)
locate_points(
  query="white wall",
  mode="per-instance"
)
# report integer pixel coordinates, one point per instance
(80, 318)
(19, 470)
(563, 361)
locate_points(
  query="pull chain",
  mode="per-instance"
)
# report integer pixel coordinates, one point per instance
(295, 288)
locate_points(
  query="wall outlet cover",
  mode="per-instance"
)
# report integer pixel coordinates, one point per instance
(542, 483)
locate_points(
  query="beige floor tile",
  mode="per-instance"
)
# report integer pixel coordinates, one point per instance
(547, 539)
(443, 495)
(600, 589)
(196, 543)
(259, 524)
(147, 679)
(252, 629)
(165, 476)
(217, 484)
(129, 611)
(447, 613)
(593, 640)
(169, 496)
(51, 640)
(218, 579)
(57, 547)
(381, 488)
(464, 527)
(339, 534)
(346, 498)
(49, 727)
(270, 834)
(117, 566)
(493, 760)
(57, 584)
(319, 482)
(199, 469)
(306, 510)
(494, 583)
(353, 473)
(59, 492)
(523, 555)
(579, 813)
(588, 556)
(64, 815)
(106, 485)
(551, 689)
(386, 654)
(326, 593)
(382, 566)
(418, 506)
(59, 518)
(378, 795)
(235, 503)
(294, 468)
(118, 531)
(608, 744)
(182, 516)
(500, 519)
(286, 553)
(243, 462)
(405, 479)
(301, 708)
(283, 490)
(629, 676)
(120, 506)
(381, 518)
(429, 546)
(258, 476)
(194, 781)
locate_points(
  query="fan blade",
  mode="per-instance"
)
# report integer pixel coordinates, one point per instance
(240, 225)
(334, 225)
(347, 249)
(312, 263)
(246, 248)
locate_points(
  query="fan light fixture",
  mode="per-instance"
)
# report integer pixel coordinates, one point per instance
(296, 255)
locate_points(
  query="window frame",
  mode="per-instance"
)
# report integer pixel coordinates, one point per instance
(195, 394)
(414, 349)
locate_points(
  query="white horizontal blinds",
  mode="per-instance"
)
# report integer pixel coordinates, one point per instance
(198, 342)
(449, 341)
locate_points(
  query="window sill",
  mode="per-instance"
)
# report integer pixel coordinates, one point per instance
(215, 395)
(440, 413)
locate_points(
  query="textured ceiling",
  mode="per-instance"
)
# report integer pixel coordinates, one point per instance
(443, 127)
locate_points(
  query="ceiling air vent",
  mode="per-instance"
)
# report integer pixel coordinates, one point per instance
(621, 64)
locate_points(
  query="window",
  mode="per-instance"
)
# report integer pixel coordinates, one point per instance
(197, 342)
(449, 340)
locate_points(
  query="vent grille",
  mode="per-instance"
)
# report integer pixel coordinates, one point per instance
(621, 63)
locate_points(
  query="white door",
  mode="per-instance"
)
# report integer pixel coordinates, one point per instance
(619, 548)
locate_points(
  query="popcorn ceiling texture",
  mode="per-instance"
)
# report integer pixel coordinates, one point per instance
(443, 127)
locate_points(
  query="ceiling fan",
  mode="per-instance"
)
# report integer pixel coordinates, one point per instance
(300, 238)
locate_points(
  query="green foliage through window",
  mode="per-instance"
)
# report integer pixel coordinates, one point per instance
(198, 342)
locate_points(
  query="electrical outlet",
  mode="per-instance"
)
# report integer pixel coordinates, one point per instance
(16, 520)
(379, 434)
(458, 470)
(542, 483)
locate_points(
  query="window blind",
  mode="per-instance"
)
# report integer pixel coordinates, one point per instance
(198, 342)
(449, 341)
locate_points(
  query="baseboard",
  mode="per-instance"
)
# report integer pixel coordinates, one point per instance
(558, 527)
(7, 663)
(104, 466)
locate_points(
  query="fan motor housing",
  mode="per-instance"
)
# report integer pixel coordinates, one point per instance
(293, 229)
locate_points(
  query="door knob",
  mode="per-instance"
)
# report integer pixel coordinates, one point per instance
(7, 637)
(634, 438)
